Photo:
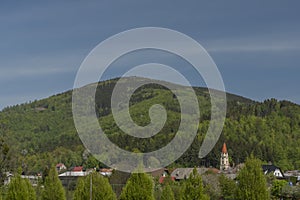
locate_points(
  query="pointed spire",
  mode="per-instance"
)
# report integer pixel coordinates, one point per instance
(224, 148)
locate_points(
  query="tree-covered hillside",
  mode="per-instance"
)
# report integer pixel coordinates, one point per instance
(42, 132)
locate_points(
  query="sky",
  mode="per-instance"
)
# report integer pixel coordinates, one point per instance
(255, 44)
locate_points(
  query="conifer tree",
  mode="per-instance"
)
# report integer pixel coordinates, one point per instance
(251, 181)
(228, 188)
(81, 192)
(138, 187)
(193, 187)
(53, 189)
(20, 188)
(167, 193)
(101, 189)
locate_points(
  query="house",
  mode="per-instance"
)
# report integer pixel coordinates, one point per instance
(33, 179)
(60, 167)
(106, 172)
(8, 177)
(292, 173)
(162, 179)
(161, 174)
(181, 173)
(276, 171)
(184, 173)
(78, 169)
(292, 176)
(156, 172)
(71, 176)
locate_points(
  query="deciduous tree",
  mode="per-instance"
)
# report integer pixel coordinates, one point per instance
(193, 187)
(277, 187)
(251, 181)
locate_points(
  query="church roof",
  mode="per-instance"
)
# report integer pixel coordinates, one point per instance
(224, 148)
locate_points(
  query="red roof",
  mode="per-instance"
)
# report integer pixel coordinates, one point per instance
(162, 178)
(77, 169)
(224, 149)
(59, 165)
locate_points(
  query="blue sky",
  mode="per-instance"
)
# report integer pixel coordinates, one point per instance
(255, 44)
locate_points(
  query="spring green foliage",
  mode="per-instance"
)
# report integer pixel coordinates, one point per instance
(20, 188)
(53, 189)
(277, 187)
(101, 189)
(167, 193)
(139, 186)
(252, 182)
(193, 187)
(228, 188)
(82, 190)
(45, 130)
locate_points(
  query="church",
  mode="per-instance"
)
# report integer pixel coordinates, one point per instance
(224, 160)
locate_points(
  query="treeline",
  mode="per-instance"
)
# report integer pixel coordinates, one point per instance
(250, 184)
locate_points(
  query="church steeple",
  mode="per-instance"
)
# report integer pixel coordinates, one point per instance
(224, 148)
(224, 161)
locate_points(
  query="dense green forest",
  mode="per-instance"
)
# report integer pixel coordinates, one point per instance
(42, 132)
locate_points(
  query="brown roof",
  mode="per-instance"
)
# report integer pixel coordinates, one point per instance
(214, 170)
(155, 172)
(184, 173)
(106, 170)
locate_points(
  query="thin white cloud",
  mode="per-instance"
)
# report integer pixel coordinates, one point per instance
(38, 66)
(254, 44)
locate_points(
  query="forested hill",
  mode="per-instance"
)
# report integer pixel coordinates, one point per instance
(42, 132)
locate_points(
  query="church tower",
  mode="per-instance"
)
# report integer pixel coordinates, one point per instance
(224, 161)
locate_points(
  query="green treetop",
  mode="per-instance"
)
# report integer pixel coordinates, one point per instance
(138, 187)
(193, 187)
(167, 193)
(252, 182)
(53, 189)
(20, 188)
(94, 185)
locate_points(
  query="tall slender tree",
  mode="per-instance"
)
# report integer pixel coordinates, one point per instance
(167, 193)
(20, 188)
(228, 188)
(193, 187)
(252, 183)
(81, 192)
(53, 189)
(138, 187)
(94, 186)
